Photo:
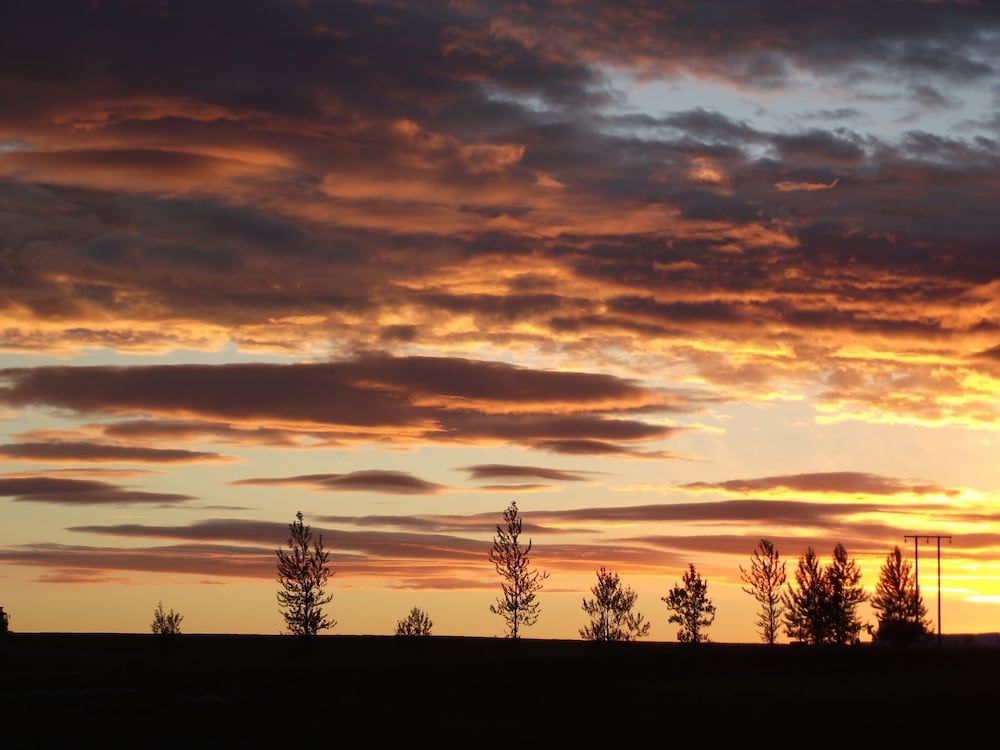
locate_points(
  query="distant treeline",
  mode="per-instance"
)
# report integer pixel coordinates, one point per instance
(820, 607)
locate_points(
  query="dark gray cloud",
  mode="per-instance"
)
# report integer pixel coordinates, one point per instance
(79, 576)
(439, 551)
(710, 125)
(272, 188)
(509, 471)
(584, 447)
(929, 97)
(319, 393)
(377, 544)
(364, 399)
(137, 430)
(769, 512)
(61, 451)
(361, 552)
(385, 482)
(767, 42)
(993, 353)
(789, 547)
(191, 559)
(819, 145)
(482, 523)
(59, 490)
(829, 482)
(840, 113)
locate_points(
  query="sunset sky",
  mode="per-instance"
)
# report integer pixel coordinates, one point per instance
(672, 275)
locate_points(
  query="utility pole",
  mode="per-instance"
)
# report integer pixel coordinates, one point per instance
(916, 564)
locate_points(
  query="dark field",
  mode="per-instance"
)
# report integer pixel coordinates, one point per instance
(237, 691)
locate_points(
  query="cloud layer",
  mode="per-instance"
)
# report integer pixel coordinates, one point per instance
(188, 207)
(824, 483)
(385, 482)
(366, 399)
(431, 551)
(62, 451)
(508, 471)
(64, 491)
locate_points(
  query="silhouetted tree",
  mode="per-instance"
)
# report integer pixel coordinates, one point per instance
(611, 616)
(807, 608)
(692, 609)
(166, 623)
(898, 604)
(517, 604)
(764, 581)
(303, 572)
(843, 580)
(4, 622)
(415, 623)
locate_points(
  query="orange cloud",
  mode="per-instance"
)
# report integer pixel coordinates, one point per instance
(806, 187)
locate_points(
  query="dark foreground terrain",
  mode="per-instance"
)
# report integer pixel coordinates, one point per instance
(64, 690)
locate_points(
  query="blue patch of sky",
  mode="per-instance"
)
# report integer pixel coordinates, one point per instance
(882, 108)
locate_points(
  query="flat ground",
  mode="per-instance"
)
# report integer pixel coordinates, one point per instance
(59, 690)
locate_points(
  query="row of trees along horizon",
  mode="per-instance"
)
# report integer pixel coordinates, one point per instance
(820, 608)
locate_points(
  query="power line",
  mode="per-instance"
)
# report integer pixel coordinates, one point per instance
(916, 560)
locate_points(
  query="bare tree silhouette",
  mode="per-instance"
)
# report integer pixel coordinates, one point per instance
(691, 607)
(611, 616)
(415, 623)
(897, 603)
(303, 572)
(166, 623)
(517, 604)
(764, 581)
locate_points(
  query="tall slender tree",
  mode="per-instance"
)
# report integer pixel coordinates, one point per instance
(843, 577)
(807, 603)
(303, 571)
(763, 582)
(610, 610)
(898, 604)
(520, 583)
(691, 607)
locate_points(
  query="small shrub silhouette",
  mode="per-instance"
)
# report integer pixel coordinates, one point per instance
(417, 623)
(166, 623)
